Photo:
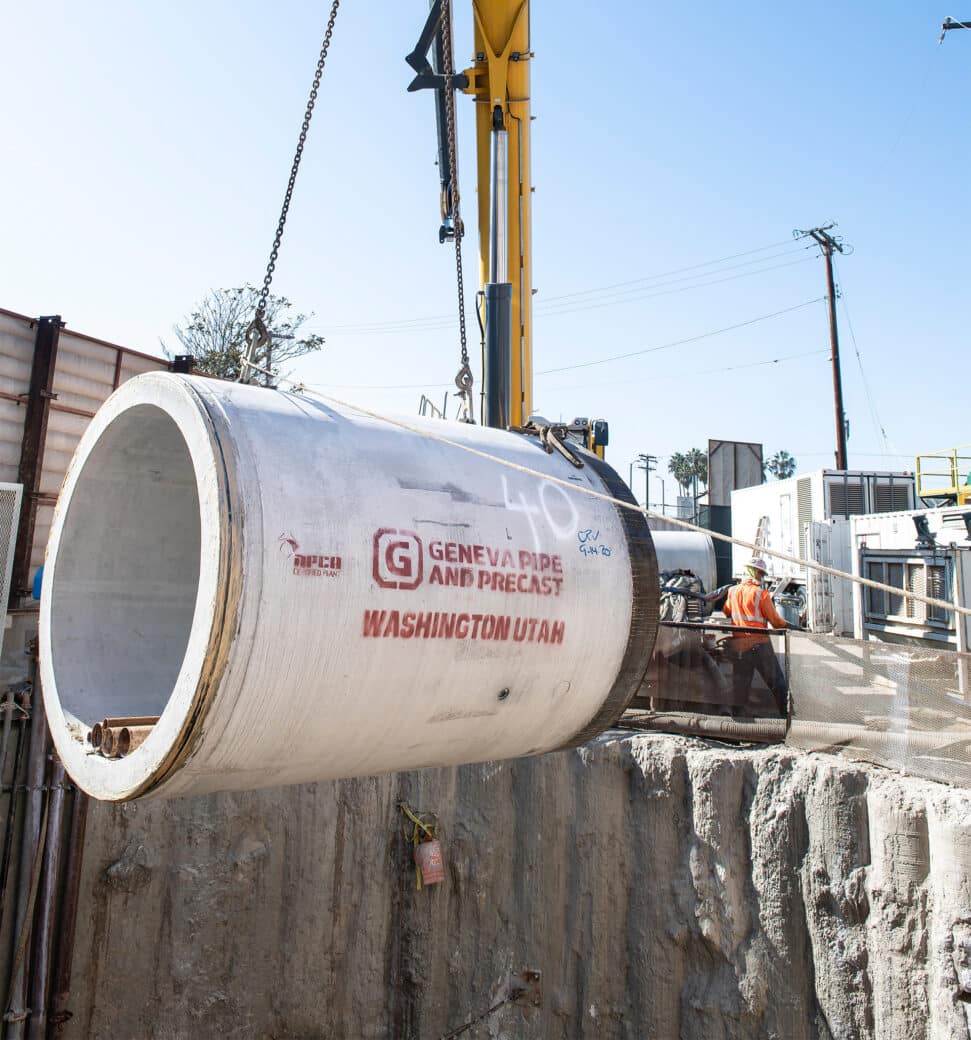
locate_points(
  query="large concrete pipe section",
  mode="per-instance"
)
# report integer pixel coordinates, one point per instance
(689, 551)
(303, 592)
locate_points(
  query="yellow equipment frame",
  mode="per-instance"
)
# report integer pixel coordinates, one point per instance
(500, 77)
(944, 474)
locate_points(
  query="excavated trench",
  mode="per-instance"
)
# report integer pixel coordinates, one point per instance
(664, 887)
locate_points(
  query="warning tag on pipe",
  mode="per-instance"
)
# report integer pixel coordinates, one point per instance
(437, 624)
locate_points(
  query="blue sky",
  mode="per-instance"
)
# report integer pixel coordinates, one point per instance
(147, 148)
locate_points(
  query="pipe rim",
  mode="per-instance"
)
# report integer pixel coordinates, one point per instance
(125, 778)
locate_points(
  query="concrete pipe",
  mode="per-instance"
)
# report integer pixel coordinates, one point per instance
(303, 592)
(687, 550)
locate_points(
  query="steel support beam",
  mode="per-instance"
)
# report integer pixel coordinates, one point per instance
(39, 399)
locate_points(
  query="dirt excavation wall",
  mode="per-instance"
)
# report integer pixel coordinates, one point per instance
(665, 888)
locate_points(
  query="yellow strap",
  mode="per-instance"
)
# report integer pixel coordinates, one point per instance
(419, 825)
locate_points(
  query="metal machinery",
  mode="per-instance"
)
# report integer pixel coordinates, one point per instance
(499, 83)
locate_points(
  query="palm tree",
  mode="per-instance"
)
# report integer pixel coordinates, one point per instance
(698, 461)
(681, 469)
(781, 465)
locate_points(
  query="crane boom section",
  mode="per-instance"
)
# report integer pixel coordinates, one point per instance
(500, 79)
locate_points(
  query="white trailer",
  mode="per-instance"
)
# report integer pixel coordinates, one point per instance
(828, 494)
(808, 517)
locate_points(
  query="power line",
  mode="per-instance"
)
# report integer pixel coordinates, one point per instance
(874, 415)
(597, 304)
(682, 342)
(654, 278)
(445, 320)
(700, 372)
(449, 323)
(585, 364)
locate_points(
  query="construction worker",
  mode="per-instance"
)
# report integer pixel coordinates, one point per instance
(750, 606)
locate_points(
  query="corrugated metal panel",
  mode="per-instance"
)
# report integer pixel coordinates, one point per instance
(85, 372)
(84, 377)
(134, 365)
(42, 529)
(10, 495)
(63, 433)
(11, 436)
(16, 354)
(804, 510)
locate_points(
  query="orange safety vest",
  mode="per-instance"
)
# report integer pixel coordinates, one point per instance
(750, 606)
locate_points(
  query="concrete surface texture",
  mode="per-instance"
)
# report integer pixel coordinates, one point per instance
(664, 887)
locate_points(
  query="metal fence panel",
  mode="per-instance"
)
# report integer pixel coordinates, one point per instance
(904, 707)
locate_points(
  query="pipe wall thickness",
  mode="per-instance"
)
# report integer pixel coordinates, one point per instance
(303, 592)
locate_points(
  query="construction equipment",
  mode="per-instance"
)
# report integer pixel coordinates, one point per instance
(299, 589)
(499, 83)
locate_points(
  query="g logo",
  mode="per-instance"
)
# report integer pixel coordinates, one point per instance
(397, 559)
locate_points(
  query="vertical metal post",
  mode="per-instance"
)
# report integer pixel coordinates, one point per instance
(43, 935)
(16, 1011)
(498, 209)
(497, 374)
(67, 925)
(837, 374)
(32, 447)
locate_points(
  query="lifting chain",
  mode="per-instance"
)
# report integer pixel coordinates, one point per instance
(463, 380)
(257, 335)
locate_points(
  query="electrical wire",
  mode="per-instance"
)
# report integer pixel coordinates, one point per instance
(449, 322)
(585, 364)
(679, 270)
(613, 302)
(680, 342)
(874, 415)
(694, 375)
(399, 325)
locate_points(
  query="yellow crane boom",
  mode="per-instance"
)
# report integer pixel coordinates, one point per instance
(500, 79)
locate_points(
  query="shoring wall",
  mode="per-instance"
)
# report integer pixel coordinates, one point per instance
(663, 886)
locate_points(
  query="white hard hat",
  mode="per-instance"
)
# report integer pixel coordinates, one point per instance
(758, 564)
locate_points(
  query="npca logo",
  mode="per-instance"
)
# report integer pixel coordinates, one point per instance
(397, 559)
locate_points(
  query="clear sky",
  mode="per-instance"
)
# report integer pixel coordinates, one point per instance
(147, 148)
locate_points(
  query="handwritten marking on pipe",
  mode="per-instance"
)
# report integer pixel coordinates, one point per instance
(562, 528)
(589, 543)
(437, 624)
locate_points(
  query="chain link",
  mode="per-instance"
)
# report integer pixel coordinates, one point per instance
(257, 335)
(463, 380)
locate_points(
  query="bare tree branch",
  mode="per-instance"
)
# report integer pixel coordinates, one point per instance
(214, 333)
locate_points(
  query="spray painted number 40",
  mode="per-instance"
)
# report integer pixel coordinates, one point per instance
(550, 503)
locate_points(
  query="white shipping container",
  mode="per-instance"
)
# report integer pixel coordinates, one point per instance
(789, 505)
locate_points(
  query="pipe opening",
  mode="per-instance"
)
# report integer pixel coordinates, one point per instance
(124, 588)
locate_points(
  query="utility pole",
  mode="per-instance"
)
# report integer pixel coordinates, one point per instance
(827, 243)
(648, 463)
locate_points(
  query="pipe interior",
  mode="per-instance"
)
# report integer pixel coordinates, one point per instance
(127, 571)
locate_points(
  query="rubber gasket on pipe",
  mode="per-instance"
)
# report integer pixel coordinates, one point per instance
(301, 592)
